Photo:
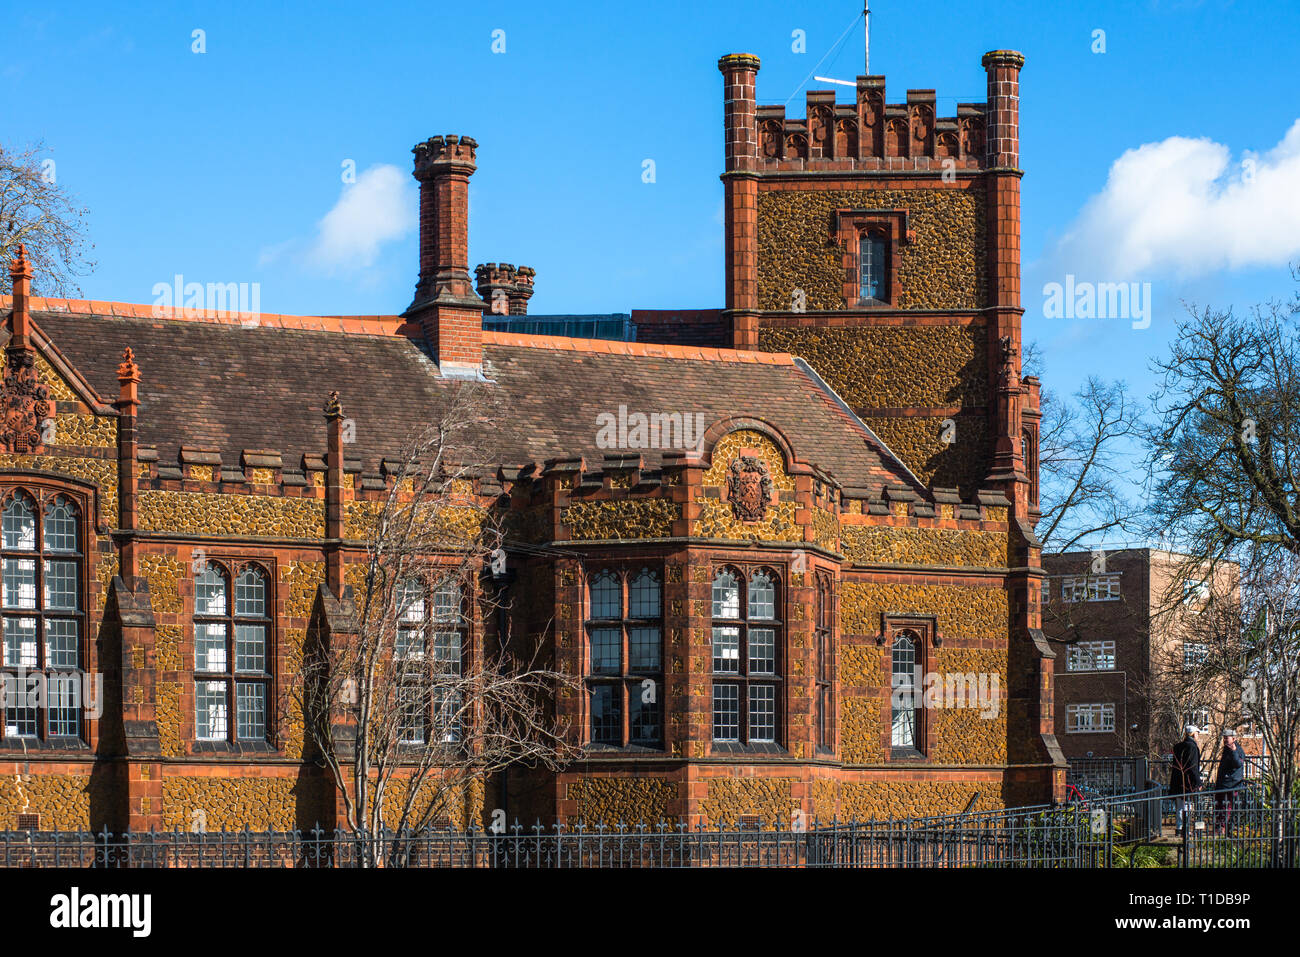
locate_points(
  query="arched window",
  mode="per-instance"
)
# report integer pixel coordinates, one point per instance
(231, 654)
(624, 625)
(746, 647)
(44, 617)
(905, 693)
(873, 268)
(606, 596)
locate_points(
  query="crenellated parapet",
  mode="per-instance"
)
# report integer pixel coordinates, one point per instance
(440, 153)
(687, 498)
(870, 133)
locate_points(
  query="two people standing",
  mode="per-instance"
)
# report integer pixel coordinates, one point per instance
(1185, 779)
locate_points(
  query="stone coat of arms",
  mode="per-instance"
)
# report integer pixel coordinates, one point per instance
(749, 488)
(26, 404)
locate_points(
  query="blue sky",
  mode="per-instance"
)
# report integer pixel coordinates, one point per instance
(223, 166)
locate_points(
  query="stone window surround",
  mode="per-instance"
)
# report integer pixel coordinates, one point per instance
(849, 226)
(927, 628)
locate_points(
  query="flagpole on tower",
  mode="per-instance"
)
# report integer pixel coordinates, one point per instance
(866, 36)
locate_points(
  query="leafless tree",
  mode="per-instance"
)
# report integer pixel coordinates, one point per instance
(1225, 449)
(1245, 667)
(406, 715)
(39, 213)
(1084, 445)
(1195, 649)
(1223, 457)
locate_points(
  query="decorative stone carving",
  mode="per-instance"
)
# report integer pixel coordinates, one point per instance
(749, 488)
(771, 139)
(846, 139)
(896, 138)
(26, 402)
(819, 129)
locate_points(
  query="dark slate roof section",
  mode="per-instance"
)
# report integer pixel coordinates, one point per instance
(230, 388)
(555, 395)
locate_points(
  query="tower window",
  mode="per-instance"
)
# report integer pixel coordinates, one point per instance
(873, 269)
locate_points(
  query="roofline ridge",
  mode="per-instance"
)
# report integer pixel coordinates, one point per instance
(647, 349)
(370, 325)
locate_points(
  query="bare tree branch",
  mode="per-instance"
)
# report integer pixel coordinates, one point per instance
(1082, 445)
(415, 707)
(39, 213)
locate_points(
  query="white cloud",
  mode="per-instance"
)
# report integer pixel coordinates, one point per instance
(1183, 207)
(378, 208)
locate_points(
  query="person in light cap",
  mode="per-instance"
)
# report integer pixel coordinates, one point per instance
(1228, 782)
(1185, 774)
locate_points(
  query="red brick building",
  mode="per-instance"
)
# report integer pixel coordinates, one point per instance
(854, 516)
(1122, 620)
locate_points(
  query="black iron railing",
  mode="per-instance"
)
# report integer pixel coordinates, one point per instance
(1086, 833)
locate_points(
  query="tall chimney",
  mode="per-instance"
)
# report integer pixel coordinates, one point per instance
(740, 190)
(445, 304)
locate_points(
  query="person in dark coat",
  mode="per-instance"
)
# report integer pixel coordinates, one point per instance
(1228, 783)
(1185, 775)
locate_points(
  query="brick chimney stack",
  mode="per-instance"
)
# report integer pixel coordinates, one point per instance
(740, 183)
(496, 284)
(505, 289)
(445, 304)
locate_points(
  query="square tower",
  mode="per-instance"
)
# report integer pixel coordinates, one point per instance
(881, 242)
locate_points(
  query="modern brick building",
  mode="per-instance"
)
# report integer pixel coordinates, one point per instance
(1116, 620)
(857, 514)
